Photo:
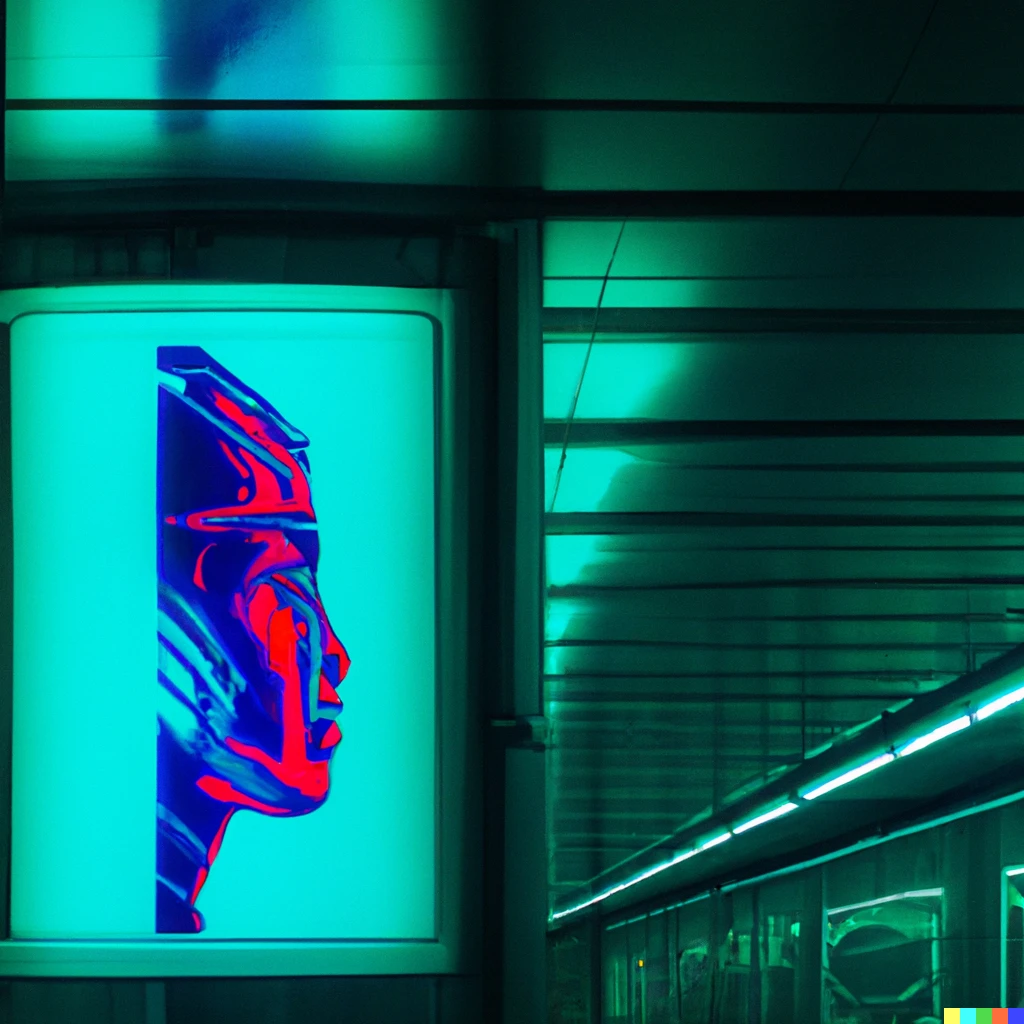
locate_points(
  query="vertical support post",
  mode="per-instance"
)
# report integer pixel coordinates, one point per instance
(6, 630)
(594, 935)
(526, 871)
(754, 989)
(516, 835)
(809, 979)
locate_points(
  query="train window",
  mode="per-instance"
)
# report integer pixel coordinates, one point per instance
(693, 975)
(615, 960)
(1013, 937)
(882, 960)
(780, 934)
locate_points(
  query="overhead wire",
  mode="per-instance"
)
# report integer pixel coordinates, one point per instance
(583, 370)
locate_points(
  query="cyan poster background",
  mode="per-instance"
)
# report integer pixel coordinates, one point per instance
(84, 445)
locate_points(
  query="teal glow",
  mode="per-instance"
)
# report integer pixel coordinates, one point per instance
(404, 49)
(400, 146)
(849, 776)
(320, 49)
(623, 379)
(363, 867)
(645, 294)
(563, 364)
(935, 735)
(586, 476)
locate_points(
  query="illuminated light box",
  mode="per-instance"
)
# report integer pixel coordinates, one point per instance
(226, 744)
(213, 51)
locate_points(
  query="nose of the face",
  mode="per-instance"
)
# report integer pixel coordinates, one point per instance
(336, 660)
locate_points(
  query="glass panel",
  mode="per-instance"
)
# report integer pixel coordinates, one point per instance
(885, 376)
(882, 959)
(221, 49)
(404, 146)
(694, 975)
(1013, 937)
(615, 960)
(780, 936)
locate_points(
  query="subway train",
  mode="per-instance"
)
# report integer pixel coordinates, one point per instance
(887, 935)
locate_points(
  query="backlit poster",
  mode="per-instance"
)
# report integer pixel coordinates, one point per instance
(225, 692)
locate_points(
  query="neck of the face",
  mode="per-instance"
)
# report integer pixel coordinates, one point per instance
(189, 829)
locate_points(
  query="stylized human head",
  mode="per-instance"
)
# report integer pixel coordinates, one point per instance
(249, 662)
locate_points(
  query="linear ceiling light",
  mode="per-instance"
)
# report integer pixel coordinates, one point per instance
(762, 818)
(936, 734)
(820, 789)
(630, 882)
(999, 703)
(714, 842)
(850, 776)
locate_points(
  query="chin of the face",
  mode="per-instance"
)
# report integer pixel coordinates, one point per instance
(303, 794)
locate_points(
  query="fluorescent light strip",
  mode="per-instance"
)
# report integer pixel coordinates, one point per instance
(762, 818)
(850, 776)
(714, 842)
(629, 883)
(847, 851)
(1012, 872)
(936, 734)
(914, 894)
(999, 703)
(949, 729)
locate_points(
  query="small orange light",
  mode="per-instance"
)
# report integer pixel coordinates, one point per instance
(639, 963)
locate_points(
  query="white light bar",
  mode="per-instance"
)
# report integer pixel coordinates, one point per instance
(936, 734)
(999, 703)
(762, 818)
(629, 883)
(850, 776)
(948, 729)
(714, 842)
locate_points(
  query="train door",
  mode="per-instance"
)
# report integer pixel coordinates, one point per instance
(1011, 946)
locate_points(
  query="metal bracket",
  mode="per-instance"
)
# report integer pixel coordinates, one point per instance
(526, 732)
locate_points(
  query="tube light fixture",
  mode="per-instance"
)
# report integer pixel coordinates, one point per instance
(630, 882)
(999, 703)
(714, 842)
(762, 818)
(936, 734)
(941, 732)
(850, 776)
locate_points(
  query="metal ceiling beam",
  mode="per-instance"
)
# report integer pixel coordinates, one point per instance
(606, 433)
(824, 583)
(631, 698)
(642, 322)
(485, 104)
(608, 523)
(263, 205)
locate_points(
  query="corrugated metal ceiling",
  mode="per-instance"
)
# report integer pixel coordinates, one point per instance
(770, 531)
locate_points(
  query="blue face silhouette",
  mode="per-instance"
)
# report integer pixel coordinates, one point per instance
(249, 663)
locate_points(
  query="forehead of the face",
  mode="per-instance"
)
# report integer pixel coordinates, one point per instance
(230, 463)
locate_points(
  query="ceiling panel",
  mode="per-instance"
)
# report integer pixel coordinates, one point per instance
(727, 593)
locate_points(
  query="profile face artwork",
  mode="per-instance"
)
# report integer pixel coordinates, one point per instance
(249, 664)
